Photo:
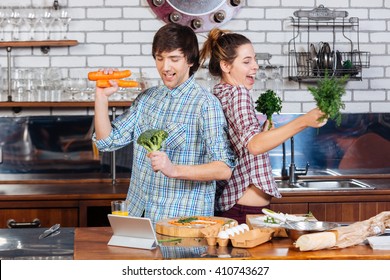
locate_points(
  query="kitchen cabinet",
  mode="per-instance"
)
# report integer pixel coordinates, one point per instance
(39, 213)
(338, 206)
(342, 212)
(325, 42)
(71, 203)
(74, 213)
(347, 212)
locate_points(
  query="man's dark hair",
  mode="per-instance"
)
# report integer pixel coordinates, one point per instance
(174, 36)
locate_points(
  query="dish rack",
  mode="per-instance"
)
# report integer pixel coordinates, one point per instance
(325, 42)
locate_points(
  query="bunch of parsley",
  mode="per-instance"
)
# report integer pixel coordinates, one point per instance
(269, 103)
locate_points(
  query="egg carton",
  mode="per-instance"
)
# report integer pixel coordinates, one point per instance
(240, 236)
(252, 238)
(224, 236)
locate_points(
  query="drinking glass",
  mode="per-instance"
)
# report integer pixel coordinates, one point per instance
(64, 19)
(4, 20)
(29, 17)
(262, 75)
(119, 207)
(15, 20)
(260, 81)
(277, 79)
(44, 19)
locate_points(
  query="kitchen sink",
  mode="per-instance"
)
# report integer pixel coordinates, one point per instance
(314, 172)
(323, 185)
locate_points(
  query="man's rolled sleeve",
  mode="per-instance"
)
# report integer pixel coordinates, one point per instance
(103, 144)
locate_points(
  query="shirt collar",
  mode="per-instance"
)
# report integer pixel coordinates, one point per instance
(184, 87)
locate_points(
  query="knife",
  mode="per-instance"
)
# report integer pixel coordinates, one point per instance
(52, 231)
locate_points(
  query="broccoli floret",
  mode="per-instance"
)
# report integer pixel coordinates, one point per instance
(152, 139)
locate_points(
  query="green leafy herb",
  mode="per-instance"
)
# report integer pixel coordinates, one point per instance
(177, 240)
(347, 64)
(328, 94)
(269, 103)
(187, 220)
(228, 222)
(270, 220)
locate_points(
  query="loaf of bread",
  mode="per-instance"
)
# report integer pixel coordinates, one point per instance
(345, 236)
(316, 241)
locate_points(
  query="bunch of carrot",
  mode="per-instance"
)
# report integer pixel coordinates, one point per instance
(102, 79)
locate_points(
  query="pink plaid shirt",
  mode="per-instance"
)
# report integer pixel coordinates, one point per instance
(243, 125)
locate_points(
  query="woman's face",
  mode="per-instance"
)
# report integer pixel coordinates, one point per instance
(243, 69)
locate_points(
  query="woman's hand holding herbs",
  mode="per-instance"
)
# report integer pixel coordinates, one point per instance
(315, 118)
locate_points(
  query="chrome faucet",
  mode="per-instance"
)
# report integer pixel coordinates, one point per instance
(293, 171)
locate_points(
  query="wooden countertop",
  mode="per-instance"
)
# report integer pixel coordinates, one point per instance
(36, 188)
(91, 244)
(64, 189)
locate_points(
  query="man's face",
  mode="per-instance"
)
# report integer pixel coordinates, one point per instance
(173, 68)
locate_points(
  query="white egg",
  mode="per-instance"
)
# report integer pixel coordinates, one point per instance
(240, 228)
(223, 235)
(235, 230)
(230, 232)
(245, 226)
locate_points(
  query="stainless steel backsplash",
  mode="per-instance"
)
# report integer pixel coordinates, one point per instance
(62, 145)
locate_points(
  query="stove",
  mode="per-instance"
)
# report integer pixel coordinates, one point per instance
(24, 244)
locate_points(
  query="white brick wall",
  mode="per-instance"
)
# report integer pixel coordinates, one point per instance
(118, 33)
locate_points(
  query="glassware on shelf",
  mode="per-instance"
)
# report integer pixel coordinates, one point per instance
(47, 21)
(2, 85)
(64, 19)
(15, 20)
(29, 17)
(33, 23)
(260, 82)
(3, 21)
(276, 79)
(43, 23)
(60, 20)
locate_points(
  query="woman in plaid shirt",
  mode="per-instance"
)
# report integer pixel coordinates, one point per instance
(251, 187)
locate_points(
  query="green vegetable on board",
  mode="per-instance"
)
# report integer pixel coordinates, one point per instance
(269, 103)
(187, 220)
(176, 240)
(152, 139)
(328, 96)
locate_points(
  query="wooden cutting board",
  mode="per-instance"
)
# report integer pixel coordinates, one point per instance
(166, 228)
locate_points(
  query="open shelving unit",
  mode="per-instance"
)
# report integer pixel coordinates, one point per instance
(325, 41)
(44, 45)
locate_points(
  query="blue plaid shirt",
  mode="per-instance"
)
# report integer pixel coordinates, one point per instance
(197, 130)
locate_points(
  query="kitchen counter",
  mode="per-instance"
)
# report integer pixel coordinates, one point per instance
(78, 202)
(91, 244)
(25, 244)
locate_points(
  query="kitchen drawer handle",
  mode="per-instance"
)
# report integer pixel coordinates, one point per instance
(11, 223)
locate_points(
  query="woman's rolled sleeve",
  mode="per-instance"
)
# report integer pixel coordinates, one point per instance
(215, 133)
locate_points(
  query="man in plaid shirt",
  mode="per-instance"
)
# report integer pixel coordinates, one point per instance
(180, 179)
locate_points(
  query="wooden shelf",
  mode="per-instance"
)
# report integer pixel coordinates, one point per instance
(60, 104)
(45, 43)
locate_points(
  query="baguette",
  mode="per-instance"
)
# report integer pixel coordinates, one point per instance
(316, 241)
